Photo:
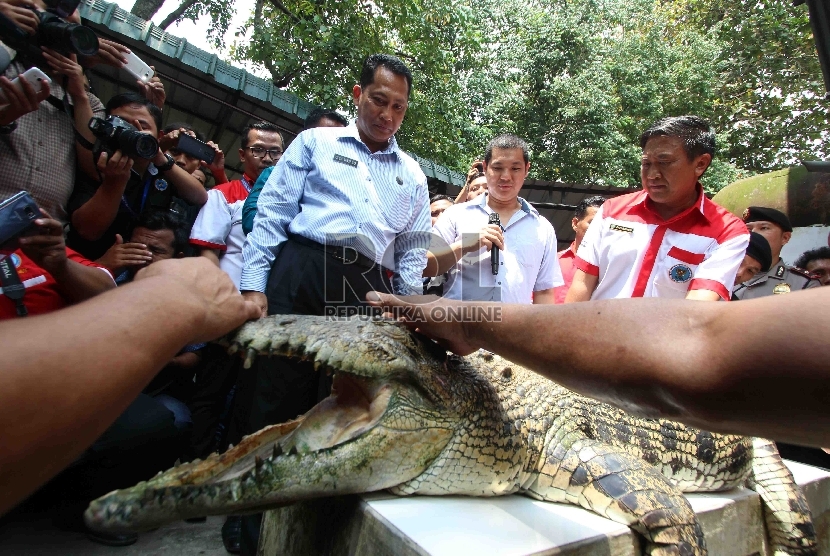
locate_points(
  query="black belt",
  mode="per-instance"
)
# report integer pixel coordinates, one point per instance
(343, 253)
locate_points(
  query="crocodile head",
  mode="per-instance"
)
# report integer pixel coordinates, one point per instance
(390, 414)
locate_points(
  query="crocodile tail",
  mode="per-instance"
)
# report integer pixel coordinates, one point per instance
(612, 483)
(786, 513)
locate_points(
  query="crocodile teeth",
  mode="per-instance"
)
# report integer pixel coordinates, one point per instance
(249, 357)
(277, 451)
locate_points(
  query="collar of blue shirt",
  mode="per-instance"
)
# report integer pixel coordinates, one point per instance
(350, 133)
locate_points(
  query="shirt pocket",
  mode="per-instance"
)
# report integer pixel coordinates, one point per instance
(676, 273)
(398, 213)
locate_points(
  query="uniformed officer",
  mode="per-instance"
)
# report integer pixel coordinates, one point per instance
(781, 277)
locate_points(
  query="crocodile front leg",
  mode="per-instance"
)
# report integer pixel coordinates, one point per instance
(786, 513)
(608, 481)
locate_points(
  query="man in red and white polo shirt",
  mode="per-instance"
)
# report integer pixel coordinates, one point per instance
(667, 240)
(52, 275)
(218, 228)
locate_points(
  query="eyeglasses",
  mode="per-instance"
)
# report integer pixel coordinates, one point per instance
(259, 152)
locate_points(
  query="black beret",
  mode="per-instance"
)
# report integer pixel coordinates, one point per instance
(754, 214)
(759, 250)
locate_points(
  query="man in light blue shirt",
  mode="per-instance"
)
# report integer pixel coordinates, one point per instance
(343, 210)
(349, 187)
(527, 268)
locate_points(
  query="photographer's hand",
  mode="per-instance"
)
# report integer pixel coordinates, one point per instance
(69, 67)
(153, 90)
(47, 249)
(217, 167)
(171, 140)
(110, 53)
(21, 13)
(20, 103)
(122, 255)
(115, 169)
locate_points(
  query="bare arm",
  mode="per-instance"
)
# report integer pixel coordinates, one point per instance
(544, 297)
(752, 367)
(93, 218)
(582, 287)
(211, 254)
(702, 295)
(187, 187)
(65, 361)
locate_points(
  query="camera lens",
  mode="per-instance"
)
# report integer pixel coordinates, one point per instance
(83, 40)
(135, 143)
(66, 37)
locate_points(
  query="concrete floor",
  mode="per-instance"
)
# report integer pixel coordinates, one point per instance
(35, 536)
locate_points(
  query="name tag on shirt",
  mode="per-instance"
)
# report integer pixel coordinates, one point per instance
(345, 160)
(618, 228)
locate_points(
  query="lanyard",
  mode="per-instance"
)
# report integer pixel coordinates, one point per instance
(12, 286)
(146, 192)
(246, 184)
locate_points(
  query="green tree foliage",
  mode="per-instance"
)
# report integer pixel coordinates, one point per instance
(768, 83)
(579, 79)
(316, 49)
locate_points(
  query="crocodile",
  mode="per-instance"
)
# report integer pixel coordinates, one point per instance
(407, 417)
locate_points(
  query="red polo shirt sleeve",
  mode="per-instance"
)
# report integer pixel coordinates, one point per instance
(718, 270)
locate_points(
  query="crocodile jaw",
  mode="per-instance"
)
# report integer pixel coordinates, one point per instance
(332, 450)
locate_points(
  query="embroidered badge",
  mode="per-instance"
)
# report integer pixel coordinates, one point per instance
(779, 273)
(745, 215)
(161, 184)
(618, 228)
(680, 273)
(781, 288)
(345, 160)
(15, 260)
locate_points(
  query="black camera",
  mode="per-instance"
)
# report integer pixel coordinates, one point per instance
(114, 134)
(52, 32)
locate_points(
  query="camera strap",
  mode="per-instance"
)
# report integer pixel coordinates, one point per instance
(13, 288)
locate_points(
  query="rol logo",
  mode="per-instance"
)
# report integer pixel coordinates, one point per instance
(680, 273)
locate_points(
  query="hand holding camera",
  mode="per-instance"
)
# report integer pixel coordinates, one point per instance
(21, 13)
(217, 166)
(46, 246)
(21, 96)
(69, 67)
(115, 168)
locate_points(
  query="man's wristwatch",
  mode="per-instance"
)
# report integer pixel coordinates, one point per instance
(168, 165)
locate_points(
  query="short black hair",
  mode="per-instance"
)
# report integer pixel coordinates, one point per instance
(319, 113)
(813, 255)
(392, 63)
(582, 207)
(440, 197)
(160, 219)
(130, 97)
(698, 137)
(181, 125)
(506, 141)
(259, 126)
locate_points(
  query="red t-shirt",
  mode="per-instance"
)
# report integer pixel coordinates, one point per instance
(566, 265)
(42, 292)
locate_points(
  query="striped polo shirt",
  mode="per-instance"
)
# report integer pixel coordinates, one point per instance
(635, 253)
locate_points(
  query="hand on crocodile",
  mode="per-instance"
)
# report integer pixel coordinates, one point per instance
(217, 304)
(428, 315)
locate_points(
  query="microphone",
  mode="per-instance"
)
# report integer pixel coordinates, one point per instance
(494, 251)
